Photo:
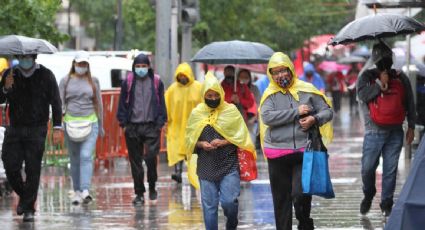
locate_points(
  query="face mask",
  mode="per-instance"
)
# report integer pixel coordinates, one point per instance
(229, 79)
(26, 63)
(244, 82)
(183, 81)
(81, 70)
(141, 72)
(212, 103)
(283, 82)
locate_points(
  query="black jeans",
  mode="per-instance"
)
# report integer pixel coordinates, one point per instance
(143, 142)
(285, 182)
(24, 145)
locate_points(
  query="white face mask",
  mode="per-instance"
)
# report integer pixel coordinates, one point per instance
(80, 70)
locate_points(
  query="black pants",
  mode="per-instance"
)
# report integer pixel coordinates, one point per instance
(24, 145)
(143, 144)
(285, 182)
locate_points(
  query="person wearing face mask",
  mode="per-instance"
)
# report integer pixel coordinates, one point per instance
(30, 89)
(214, 132)
(180, 98)
(142, 113)
(288, 109)
(242, 97)
(384, 140)
(82, 101)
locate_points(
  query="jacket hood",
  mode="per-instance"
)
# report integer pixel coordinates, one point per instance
(309, 68)
(142, 59)
(185, 69)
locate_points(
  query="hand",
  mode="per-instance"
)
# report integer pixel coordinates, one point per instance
(303, 109)
(8, 82)
(57, 136)
(235, 98)
(410, 135)
(206, 146)
(384, 78)
(307, 122)
(218, 143)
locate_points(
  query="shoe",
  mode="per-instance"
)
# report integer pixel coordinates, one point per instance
(76, 198)
(386, 208)
(86, 197)
(139, 200)
(365, 206)
(28, 217)
(153, 194)
(177, 178)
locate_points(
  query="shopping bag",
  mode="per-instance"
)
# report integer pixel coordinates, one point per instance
(315, 178)
(247, 165)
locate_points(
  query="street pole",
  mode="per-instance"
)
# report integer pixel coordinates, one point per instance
(163, 40)
(174, 38)
(186, 42)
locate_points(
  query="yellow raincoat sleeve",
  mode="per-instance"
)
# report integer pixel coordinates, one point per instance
(225, 119)
(180, 100)
(281, 59)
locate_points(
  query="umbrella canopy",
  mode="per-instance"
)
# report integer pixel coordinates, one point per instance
(376, 26)
(234, 52)
(351, 59)
(21, 45)
(332, 66)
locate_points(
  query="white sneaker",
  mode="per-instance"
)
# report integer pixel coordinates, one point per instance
(85, 195)
(76, 198)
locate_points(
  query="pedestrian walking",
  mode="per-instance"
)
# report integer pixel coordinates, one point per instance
(387, 99)
(30, 89)
(180, 98)
(141, 113)
(215, 130)
(82, 106)
(311, 75)
(288, 108)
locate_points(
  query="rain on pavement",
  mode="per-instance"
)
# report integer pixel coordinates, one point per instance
(178, 206)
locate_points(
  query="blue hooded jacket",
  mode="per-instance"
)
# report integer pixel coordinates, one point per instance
(317, 79)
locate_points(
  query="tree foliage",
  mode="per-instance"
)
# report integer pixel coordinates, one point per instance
(33, 18)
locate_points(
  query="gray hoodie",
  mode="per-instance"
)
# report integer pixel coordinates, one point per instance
(280, 112)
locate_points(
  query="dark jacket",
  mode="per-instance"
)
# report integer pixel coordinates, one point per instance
(29, 98)
(125, 109)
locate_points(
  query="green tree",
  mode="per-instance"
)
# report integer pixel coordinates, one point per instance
(33, 18)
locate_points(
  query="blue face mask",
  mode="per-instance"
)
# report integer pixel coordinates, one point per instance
(141, 72)
(26, 63)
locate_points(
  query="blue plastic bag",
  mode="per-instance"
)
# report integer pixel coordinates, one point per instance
(315, 178)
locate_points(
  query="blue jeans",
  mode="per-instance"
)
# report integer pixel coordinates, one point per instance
(80, 154)
(226, 191)
(387, 143)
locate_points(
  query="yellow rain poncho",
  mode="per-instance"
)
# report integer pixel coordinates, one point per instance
(281, 59)
(180, 100)
(225, 119)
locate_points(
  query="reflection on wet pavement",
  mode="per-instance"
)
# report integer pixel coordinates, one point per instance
(178, 206)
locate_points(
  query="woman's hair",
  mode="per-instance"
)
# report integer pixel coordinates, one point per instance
(249, 74)
(89, 79)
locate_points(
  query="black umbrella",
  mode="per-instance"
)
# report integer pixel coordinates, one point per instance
(233, 52)
(376, 26)
(21, 45)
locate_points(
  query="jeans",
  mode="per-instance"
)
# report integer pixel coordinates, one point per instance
(24, 145)
(226, 191)
(80, 154)
(387, 143)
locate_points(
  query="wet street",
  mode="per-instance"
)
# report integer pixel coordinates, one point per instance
(178, 206)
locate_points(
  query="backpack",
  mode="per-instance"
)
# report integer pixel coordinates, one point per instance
(388, 107)
(130, 79)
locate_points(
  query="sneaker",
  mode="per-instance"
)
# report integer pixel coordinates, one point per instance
(28, 217)
(85, 195)
(365, 206)
(177, 178)
(76, 198)
(153, 194)
(139, 200)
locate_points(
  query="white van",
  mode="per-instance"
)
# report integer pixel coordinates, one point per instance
(109, 70)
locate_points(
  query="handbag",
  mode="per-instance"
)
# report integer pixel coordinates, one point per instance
(247, 165)
(315, 177)
(78, 131)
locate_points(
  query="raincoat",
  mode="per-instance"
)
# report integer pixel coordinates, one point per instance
(281, 59)
(180, 100)
(225, 119)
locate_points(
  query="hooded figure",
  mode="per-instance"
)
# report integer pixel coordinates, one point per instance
(384, 140)
(310, 75)
(180, 98)
(214, 131)
(288, 109)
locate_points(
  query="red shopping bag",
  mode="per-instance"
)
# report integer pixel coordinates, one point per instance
(247, 165)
